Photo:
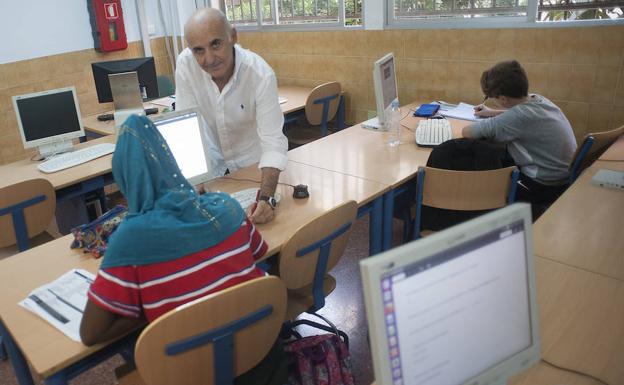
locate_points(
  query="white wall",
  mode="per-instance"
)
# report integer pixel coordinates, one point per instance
(35, 28)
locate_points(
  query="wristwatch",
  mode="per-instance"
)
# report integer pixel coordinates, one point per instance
(270, 200)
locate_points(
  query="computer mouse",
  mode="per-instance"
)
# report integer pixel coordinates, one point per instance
(300, 191)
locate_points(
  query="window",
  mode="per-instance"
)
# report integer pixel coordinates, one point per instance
(556, 10)
(404, 11)
(294, 12)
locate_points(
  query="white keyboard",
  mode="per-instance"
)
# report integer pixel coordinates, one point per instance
(431, 132)
(74, 158)
(247, 197)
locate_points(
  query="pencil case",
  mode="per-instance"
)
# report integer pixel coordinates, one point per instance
(427, 110)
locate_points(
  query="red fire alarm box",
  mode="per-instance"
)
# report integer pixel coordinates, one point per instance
(109, 33)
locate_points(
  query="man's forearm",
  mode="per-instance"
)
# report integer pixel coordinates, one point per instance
(270, 177)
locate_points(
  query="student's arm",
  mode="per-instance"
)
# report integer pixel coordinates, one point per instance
(113, 306)
(501, 128)
(484, 111)
(100, 325)
(257, 243)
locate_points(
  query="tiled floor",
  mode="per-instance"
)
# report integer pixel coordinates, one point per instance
(344, 307)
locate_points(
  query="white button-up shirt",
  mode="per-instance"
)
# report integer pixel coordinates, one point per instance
(243, 123)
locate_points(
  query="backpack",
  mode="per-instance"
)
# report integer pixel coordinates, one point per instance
(319, 360)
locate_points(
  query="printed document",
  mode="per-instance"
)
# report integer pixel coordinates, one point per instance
(462, 111)
(62, 301)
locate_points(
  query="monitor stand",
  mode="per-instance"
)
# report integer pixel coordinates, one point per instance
(122, 115)
(46, 150)
(374, 124)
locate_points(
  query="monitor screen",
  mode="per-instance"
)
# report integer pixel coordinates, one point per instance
(144, 67)
(49, 116)
(452, 314)
(182, 132)
(384, 77)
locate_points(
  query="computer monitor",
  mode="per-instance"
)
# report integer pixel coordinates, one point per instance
(49, 120)
(457, 307)
(384, 79)
(144, 67)
(182, 131)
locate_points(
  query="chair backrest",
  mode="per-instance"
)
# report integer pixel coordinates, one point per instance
(593, 145)
(26, 210)
(315, 249)
(322, 104)
(215, 338)
(464, 190)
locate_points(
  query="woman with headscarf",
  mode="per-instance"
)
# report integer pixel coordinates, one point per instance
(174, 245)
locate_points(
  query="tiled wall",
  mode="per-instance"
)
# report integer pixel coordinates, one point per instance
(580, 69)
(57, 71)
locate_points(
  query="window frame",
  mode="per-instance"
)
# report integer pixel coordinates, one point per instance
(333, 26)
(528, 21)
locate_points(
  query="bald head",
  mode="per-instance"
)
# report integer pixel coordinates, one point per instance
(207, 18)
(211, 38)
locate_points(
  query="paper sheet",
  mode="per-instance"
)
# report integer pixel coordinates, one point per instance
(462, 111)
(62, 301)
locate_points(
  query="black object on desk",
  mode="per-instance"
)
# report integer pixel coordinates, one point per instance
(300, 191)
(105, 117)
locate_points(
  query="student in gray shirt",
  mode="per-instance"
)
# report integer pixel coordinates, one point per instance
(539, 138)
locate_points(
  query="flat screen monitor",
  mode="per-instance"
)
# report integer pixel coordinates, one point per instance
(384, 79)
(182, 131)
(49, 119)
(457, 307)
(144, 67)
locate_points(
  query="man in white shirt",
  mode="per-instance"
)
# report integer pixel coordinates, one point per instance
(235, 92)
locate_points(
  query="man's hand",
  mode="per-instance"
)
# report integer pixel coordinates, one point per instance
(261, 212)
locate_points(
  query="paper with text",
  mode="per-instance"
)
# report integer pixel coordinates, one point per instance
(62, 301)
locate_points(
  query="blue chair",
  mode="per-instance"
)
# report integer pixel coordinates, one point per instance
(321, 107)
(215, 338)
(593, 145)
(26, 210)
(305, 260)
(463, 190)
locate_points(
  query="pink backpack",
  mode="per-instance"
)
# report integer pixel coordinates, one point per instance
(319, 360)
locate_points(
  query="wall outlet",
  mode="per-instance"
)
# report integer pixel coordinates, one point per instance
(151, 29)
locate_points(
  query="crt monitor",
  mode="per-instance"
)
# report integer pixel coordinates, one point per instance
(49, 119)
(144, 67)
(182, 132)
(457, 307)
(384, 79)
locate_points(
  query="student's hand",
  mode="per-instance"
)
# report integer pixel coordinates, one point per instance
(261, 212)
(484, 111)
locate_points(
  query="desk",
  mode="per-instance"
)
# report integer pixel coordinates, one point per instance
(327, 190)
(581, 318)
(615, 152)
(296, 99)
(46, 348)
(365, 154)
(583, 228)
(56, 358)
